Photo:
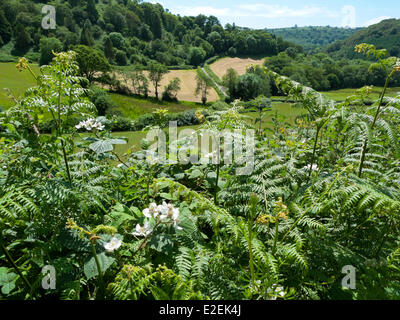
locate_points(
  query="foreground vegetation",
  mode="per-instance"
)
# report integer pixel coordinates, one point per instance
(324, 194)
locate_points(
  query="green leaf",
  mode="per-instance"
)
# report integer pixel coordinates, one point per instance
(90, 267)
(7, 277)
(161, 243)
(116, 141)
(121, 214)
(179, 176)
(166, 196)
(3, 270)
(71, 240)
(7, 281)
(7, 288)
(195, 174)
(101, 146)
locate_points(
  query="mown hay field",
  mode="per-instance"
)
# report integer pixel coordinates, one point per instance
(239, 64)
(188, 86)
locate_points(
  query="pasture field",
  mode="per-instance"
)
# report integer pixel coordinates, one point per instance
(133, 107)
(14, 80)
(342, 94)
(285, 110)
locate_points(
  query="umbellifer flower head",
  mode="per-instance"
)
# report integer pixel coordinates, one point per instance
(90, 125)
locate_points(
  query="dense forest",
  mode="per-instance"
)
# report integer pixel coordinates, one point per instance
(313, 38)
(321, 72)
(127, 32)
(385, 34)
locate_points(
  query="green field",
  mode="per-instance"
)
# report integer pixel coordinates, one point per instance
(286, 110)
(14, 80)
(342, 94)
(133, 107)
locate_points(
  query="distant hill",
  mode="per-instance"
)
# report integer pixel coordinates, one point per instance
(313, 37)
(385, 34)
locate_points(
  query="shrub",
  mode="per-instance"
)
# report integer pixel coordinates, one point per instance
(102, 101)
(121, 123)
(120, 58)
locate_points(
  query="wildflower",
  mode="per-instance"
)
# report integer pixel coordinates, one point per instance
(276, 292)
(152, 211)
(168, 211)
(89, 125)
(142, 231)
(396, 67)
(114, 244)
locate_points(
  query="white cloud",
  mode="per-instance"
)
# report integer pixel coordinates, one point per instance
(206, 10)
(376, 20)
(256, 10)
(278, 11)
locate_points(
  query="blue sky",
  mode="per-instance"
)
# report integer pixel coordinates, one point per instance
(287, 13)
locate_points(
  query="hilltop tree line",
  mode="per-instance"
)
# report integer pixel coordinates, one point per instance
(128, 32)
(385, 34)
(322, 72)
(313, 38)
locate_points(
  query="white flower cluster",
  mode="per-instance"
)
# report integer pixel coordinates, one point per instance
(90, 124)
(165, 213)
(277, 292)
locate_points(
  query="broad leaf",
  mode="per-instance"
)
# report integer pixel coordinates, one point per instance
(90, 267)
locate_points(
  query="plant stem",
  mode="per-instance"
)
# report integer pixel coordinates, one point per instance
(249, 241)
(216, 185)
(66, 161)
(14, 265)
(275, 235)
(101, 282)
(314, 151)
(378, 110)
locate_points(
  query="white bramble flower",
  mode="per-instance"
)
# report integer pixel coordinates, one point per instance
(142, 231)
(277, 292)
(165, 213)
(114, 244)
(90, 124)
(168, 211)
(152, 211)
